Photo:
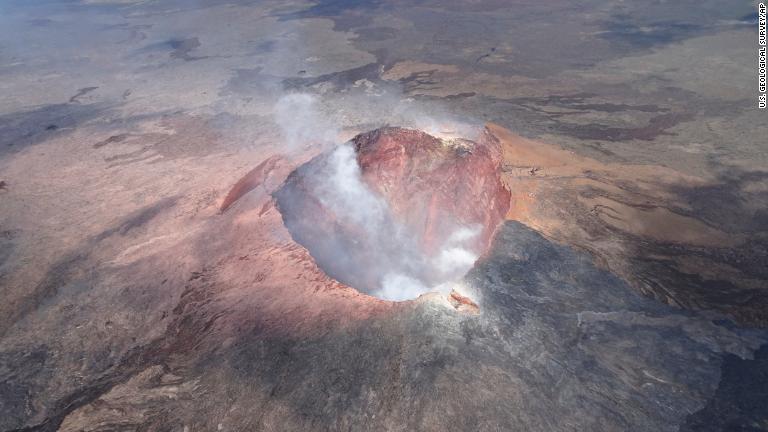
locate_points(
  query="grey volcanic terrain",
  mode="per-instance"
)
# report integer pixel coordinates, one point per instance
(382, 215)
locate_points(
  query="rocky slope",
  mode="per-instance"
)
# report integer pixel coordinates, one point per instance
(245, 331)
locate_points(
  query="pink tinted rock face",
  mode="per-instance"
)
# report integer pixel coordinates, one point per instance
(434, 186)
(402, 208)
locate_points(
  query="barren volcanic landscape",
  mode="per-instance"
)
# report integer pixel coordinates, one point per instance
(382, 215)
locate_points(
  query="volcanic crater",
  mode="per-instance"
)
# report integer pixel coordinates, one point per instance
(397, 212)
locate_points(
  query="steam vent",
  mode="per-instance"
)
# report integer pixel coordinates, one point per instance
(397, 211)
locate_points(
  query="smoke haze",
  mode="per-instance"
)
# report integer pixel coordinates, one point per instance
(302, 123)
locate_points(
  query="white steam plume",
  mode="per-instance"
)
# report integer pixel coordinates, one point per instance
(302, 123)
(398, 287)
(345, 193)
(405, 271)
(389, 262)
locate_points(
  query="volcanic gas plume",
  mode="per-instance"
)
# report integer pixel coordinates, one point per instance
(397, 212)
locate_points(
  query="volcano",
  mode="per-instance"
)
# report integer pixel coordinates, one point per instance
(286, 316)
(396, 212)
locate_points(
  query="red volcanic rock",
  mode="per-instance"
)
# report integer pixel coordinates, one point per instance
(397, 210)
(253, 179)
(462, 303)
(435, 185)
